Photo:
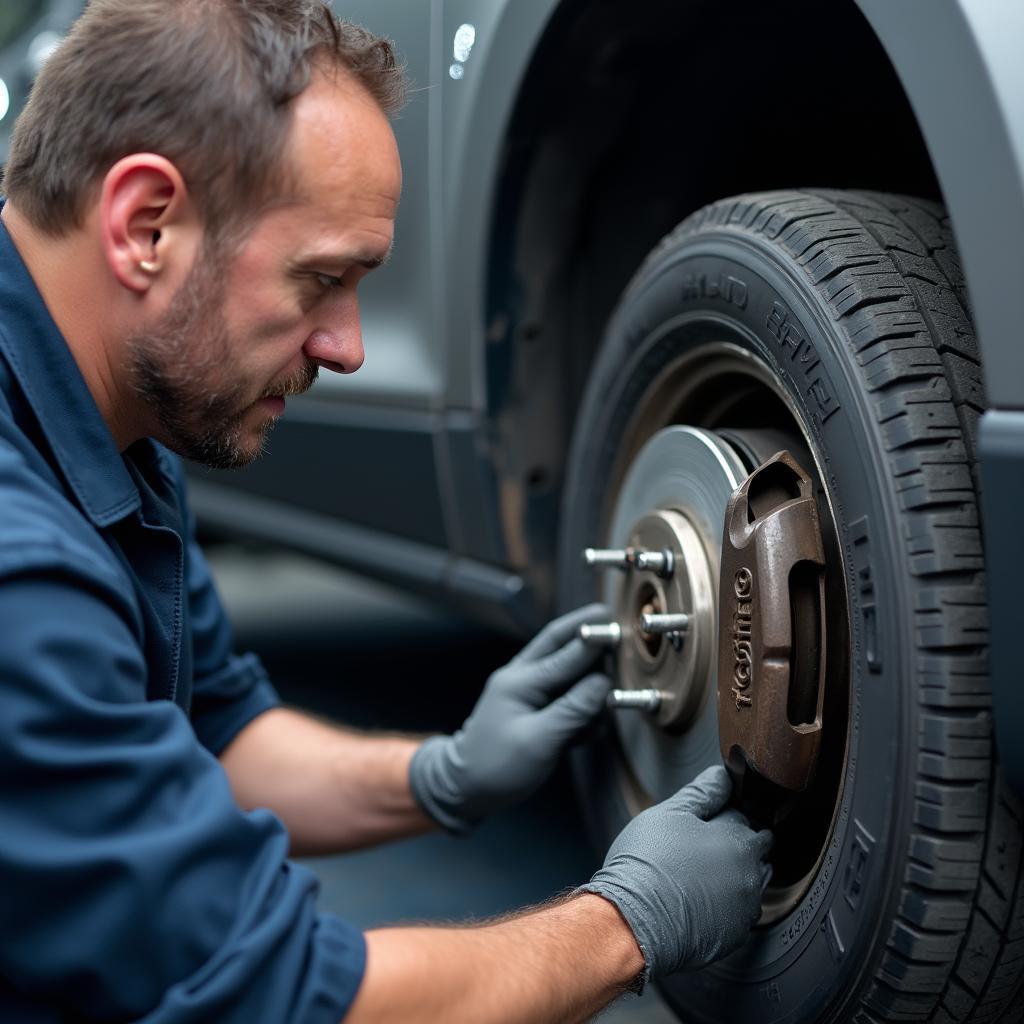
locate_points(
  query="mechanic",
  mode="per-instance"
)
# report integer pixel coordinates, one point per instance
(195, 189)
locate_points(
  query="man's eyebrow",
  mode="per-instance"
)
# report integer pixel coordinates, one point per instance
(372, 262)
(326, 259)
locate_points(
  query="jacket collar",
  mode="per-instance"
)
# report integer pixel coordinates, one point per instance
(54, 387)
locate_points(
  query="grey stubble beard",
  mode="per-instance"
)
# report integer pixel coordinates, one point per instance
(181, 370)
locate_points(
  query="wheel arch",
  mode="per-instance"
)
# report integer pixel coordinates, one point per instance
(623, 124)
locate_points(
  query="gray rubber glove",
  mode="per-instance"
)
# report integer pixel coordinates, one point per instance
(687, 879)
(511, 742)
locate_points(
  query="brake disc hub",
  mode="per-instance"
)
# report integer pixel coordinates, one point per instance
(673, 499)
(711, 662)
(677, 663)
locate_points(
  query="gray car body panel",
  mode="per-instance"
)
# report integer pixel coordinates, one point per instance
(1002, 474)
(407, 358)
(477, 111)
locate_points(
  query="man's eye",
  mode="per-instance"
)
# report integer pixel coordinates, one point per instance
(328, 282)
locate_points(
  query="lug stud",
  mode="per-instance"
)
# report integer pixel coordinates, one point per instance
(604, 558)
(635, 700)
(652, 623)
(608, 634)
(660, 562)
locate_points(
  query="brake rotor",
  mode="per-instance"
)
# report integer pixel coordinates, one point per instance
(674, 496)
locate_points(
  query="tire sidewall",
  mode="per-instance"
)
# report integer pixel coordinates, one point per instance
(723, 283)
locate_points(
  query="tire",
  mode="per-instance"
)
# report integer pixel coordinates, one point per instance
(854, 303)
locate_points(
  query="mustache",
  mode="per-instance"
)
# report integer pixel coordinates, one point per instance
(297, 384)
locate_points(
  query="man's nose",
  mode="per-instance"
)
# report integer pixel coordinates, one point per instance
(337, 347)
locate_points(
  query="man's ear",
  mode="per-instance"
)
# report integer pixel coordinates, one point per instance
(146, 217)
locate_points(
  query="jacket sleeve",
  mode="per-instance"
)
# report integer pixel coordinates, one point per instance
(134, 887)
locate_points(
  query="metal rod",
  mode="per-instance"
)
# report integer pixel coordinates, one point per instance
(608, 634)
(607, 558)
(635, 700)
(661, 562)
(664, 623)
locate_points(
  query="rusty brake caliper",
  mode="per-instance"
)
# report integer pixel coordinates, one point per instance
(771, 664)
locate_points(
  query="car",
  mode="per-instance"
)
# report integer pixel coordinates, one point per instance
(711, 311)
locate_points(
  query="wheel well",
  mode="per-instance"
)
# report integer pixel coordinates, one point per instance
(630, 118)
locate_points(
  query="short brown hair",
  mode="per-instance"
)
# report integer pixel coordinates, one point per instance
(208, 84)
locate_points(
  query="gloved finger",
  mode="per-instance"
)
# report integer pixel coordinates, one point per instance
(555, 634)
(574, 710)
(766, 876)
(765, 841)
(538, 682)
(734, 817)
(707, 794)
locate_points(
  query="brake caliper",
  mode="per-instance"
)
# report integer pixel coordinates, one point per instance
(771, 665)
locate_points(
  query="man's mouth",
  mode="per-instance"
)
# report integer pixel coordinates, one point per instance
(298, 384)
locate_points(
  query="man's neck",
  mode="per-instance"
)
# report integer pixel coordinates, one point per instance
(63, 270)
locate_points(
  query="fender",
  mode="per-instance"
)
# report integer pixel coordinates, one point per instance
(477, 111)
(966, 88)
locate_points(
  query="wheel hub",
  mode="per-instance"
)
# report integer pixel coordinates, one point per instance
(676, 664)
(673, 499)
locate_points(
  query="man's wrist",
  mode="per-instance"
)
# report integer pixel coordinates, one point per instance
(434, 789)
(627, 959)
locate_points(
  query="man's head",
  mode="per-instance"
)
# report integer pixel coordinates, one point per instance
(229, 168)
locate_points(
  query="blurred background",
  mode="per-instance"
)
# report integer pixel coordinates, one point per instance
(30, 30)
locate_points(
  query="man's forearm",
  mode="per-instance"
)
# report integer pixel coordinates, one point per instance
(334, 790)
(559, 964)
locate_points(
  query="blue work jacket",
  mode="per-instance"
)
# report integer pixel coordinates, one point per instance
(132, 886)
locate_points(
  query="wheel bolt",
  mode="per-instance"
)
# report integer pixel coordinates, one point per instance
(664, 623)
(607, 634)
(661, 562)
(635, 700)
(604, 558)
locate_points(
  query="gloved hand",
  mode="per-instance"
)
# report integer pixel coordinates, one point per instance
(510, 743)
(687, 879)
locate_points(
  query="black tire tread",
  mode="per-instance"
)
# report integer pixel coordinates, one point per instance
(887, 271)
